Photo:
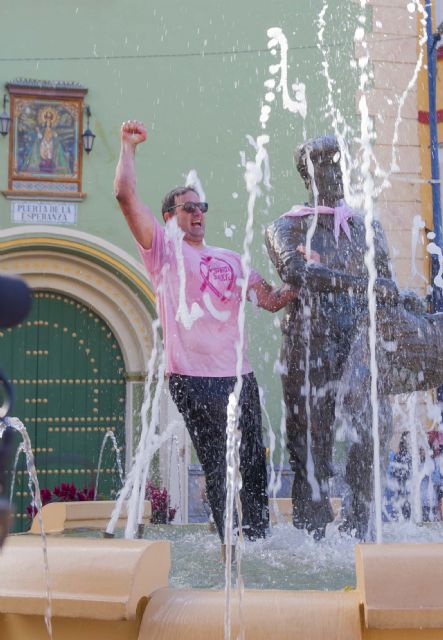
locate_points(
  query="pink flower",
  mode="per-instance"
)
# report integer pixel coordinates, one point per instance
(45, 497)
(161, 512)
(65, 492)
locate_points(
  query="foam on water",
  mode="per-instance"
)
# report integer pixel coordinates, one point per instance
(288, 558)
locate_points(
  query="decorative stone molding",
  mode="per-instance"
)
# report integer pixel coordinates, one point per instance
(92, 284)
(98, 274)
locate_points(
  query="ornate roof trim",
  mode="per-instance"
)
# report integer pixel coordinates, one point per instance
(45, 84)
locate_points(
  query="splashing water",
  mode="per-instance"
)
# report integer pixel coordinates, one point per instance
(338, 122)
(435, 250)
(274, 483)
(307, 391)
(313, 225)
(420, 488)
(368, 193)
(132, 487)
(133, 491)
(275, 480)
(109, 435)
(372, 306)
(341, 129)
(176, 446)
(154, 440)
(34, 490)
(415, 461)
(416, 4)
(186, 317)
(315, 487)
(233, 488)
(257, 172)
(295, 105)
(192, 180)
(20, 449)
(418, 224)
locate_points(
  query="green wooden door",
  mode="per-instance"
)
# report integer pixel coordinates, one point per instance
(68, 373)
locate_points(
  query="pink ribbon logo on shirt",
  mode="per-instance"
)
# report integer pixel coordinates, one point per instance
(217, 275)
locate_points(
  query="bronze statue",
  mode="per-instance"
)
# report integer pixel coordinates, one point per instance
(325, 354)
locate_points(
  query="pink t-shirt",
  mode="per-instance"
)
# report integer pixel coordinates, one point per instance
(200, 319)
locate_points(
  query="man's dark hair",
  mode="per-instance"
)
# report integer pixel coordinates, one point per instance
(169, 199)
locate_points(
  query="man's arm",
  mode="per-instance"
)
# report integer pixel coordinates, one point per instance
(324, 280)
(283, 240)
(139, 217)
(275, 298)
(321, 279)
(271, 298)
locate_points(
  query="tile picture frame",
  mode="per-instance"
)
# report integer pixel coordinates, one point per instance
(45, 152)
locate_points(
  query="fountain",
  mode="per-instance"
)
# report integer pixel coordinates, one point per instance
(111, 436)
(125, 595)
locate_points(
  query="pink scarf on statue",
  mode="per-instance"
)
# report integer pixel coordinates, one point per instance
(341, 214)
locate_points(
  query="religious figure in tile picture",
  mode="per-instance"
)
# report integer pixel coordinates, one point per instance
(46, 139)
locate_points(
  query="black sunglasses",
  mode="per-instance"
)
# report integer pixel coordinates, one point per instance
(190, 207)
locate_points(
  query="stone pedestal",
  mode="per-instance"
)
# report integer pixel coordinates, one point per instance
(99, 588)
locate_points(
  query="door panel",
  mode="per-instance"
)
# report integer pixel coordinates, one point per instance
(68, 373)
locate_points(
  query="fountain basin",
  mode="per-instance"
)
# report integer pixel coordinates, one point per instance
(401, 585)
(59, 516)
(308, 615)
(91, 580)
(117, 588)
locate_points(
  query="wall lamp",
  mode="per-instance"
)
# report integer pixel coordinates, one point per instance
(88, 136)
(4, 118)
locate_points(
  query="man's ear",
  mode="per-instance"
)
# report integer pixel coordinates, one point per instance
(167, 216)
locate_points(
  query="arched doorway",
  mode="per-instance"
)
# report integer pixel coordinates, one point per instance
(68, 373)
(95, 291)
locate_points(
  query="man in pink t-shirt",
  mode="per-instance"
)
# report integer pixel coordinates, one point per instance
(199, 291)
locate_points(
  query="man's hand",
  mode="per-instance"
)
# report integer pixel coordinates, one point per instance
(139, 217)
(271, 298)
(133, 132)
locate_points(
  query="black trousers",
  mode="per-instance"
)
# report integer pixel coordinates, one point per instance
(203, 404)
